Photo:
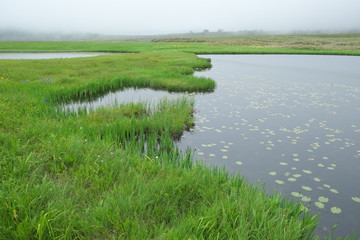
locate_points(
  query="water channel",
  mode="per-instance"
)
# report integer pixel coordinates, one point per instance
(47, 55)
(291, 122)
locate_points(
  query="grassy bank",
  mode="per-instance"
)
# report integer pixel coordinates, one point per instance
(335, 44)
(115, 173)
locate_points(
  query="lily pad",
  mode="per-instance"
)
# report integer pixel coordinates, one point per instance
(334, 191)
(323, 199)
(283, 163)
(307, 171)
(306, 199)
(297, 194)
(239, 163)
(306, 188)
(335, 210)
(319, 205)
(280, 182)
(273, 173)
(291, 179)
(317, 179)
(356, 199)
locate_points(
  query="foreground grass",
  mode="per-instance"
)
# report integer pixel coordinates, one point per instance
(115, 173)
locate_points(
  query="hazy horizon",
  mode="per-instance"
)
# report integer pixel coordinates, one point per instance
(140, 17)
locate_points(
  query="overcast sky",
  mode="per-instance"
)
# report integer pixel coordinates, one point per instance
(174, 16)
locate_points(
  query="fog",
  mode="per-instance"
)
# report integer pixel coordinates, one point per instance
(143, 17)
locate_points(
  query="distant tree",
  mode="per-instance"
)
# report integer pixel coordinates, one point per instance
(206, 31)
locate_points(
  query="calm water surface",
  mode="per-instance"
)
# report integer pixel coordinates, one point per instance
(291, 122)
(49, 55)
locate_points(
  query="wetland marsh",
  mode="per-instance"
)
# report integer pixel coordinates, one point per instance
(116, 171)
(290, 122)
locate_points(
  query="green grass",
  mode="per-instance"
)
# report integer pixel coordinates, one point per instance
(336, 44)
(115, 173)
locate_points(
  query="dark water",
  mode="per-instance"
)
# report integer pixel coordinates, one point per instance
(291, 122)
(48, 55)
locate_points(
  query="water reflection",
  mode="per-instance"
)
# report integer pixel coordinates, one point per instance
(129, 95)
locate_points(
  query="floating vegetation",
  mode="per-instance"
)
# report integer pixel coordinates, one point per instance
(306, 188)
(334, 190)
(280, 182)
(323, 199)
(320, 205)
(306, 199)
(335, 210)
(356, 199)
(263, 117)
(297, 194)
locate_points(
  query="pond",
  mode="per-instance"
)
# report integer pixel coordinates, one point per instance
(49, 55)
(129, 95)
(290, 122)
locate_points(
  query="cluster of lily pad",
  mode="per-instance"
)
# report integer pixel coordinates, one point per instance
(252, 106)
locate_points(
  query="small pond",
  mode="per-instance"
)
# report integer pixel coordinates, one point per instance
(291, 122)
(129, 95)
(49, 55)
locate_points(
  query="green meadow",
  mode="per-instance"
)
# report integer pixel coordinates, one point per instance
(115, 173)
